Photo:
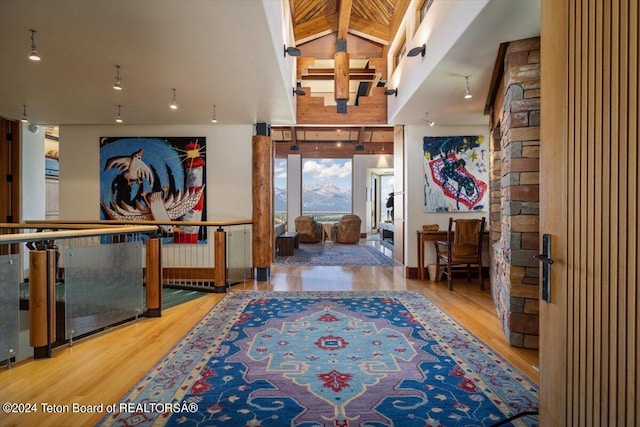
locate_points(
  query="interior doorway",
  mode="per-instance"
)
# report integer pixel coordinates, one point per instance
(380, 216)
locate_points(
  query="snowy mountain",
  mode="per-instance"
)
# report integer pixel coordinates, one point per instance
(317, 198)
(325, 198)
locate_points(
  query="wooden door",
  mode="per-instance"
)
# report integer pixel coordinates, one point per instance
(9, 177)
(589, 205)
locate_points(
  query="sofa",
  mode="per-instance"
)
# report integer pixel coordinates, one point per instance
(348, 229)
(309, 230)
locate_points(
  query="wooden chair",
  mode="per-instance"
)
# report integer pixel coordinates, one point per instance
(463, 247)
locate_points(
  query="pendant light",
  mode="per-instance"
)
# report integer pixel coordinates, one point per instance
(116, 85)
(213, 119)
(119, 118)
(24, 118)
(173, 105)
(34, 54)
(467, 95)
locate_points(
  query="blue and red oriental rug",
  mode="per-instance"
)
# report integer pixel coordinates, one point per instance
(311, 359)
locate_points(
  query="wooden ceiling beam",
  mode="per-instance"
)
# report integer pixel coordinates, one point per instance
(370, 30)
(343, 18)
(316, 26)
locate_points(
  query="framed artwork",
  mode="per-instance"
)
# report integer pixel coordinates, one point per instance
(456, 175)
(155, 179)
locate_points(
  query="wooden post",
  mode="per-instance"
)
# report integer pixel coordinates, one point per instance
(154, 277)
(341, 70)
(262, 194)
(220, 254)
(42, 302)
(341, 82)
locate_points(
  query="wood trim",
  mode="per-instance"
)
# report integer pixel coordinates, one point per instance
(496, 78)
(315, 27)
(344, 15)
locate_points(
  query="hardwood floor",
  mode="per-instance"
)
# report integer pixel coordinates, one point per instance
(102, 368)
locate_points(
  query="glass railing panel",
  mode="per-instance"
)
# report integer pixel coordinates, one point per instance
(103, 286)
(9, 306)
(238, 253)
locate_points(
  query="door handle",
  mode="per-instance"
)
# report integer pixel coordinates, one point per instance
(545, 259)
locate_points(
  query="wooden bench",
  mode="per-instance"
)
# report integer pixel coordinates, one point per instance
(287, 242)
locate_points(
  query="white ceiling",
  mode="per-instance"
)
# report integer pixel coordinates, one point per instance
(474, 54)
(213, 52)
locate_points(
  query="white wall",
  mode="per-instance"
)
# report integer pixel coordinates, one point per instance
(415, 215)
(294, 189)
(32, 174)
(228, 162)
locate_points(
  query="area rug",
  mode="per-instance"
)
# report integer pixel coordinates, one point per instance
(311, 359)
(334, 254)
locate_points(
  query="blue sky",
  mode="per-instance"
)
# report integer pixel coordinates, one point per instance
(317, 171)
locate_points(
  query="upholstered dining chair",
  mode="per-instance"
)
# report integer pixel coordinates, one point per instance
(348, 229)
(462, 248)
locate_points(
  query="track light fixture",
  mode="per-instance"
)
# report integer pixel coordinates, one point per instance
(467, 95)
(33, 55)
(119, 118)
(298, 91)
(427, 121)
(292, 51)
(213, 118)
(24, 118)
(116, 85)
(390, 92)
(173, 105)
(420, 50)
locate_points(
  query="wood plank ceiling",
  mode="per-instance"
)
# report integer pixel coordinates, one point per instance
(371, 19)
(374, 21)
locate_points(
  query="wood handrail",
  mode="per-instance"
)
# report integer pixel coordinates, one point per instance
(54, 235)
(117, 222)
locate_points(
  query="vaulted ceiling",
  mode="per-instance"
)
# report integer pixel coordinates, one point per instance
(220, 52)
(375, 20)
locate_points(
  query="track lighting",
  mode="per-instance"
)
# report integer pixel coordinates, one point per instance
(390, 92)
(173, 105)
(116, 85)
(24, 118)
(33, 55)
(467, 95)
(213, 118)
(119, 118)
(292, 51)
(420, 50)
(298, 91)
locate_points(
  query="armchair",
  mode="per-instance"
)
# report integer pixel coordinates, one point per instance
(309, 230)
(348, 229)
(463, 247)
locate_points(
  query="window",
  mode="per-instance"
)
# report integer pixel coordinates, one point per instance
(400, 53)
(326, 188)
(280, 190)
(424, 8)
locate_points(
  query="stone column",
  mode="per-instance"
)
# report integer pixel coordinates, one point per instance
(515, 276)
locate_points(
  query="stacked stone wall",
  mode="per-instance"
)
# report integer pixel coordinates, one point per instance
(514, 272)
